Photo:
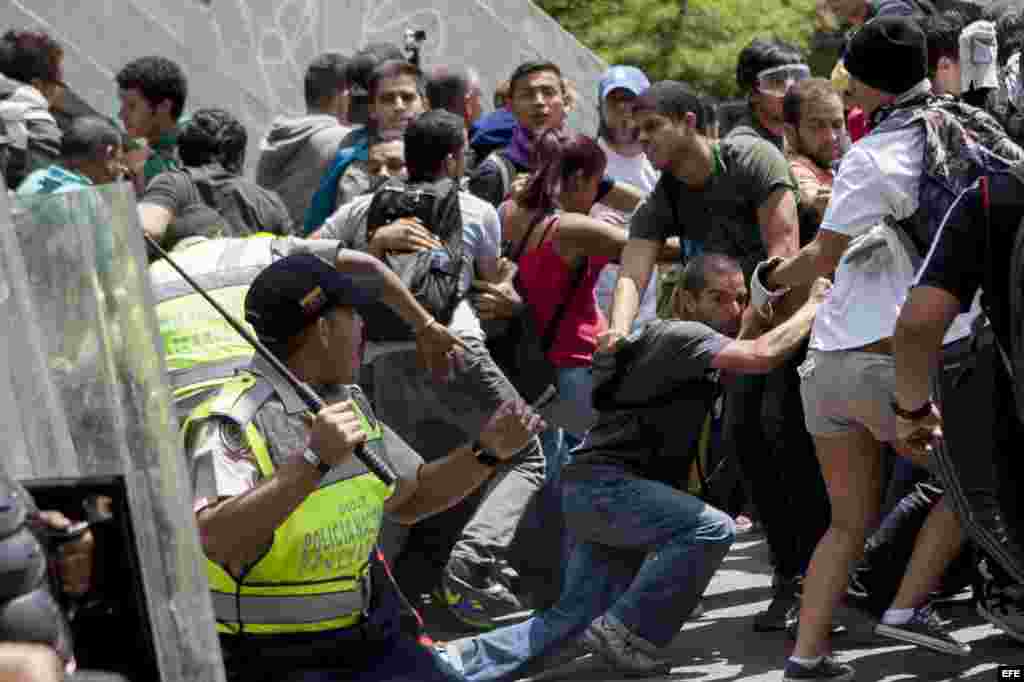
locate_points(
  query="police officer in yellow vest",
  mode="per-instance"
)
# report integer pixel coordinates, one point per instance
(289, 518)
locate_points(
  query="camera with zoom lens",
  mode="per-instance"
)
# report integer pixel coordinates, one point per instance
(414, 39)
(393, 201)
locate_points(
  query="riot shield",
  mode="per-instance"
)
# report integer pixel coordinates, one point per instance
(85, 403)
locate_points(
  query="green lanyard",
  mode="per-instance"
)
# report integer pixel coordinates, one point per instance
(717, 156)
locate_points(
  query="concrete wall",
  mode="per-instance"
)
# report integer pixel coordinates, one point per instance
(249, 56)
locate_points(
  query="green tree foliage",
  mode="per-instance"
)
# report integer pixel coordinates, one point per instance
(698, 44)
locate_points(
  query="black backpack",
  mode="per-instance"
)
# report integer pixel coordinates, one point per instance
(223, 196)
(506, 169)
(432, 276)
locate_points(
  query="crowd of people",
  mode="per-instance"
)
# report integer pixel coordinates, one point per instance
(619, 350)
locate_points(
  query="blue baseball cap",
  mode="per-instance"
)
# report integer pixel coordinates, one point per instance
(292, 293)
(627, 77)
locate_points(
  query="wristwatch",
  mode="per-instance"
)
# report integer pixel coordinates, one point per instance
(323, 467)
(912, 415)
(485, 455)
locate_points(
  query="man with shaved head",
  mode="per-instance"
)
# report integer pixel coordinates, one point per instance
(456, 89)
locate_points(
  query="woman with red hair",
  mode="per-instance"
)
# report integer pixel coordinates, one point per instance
(560, 251)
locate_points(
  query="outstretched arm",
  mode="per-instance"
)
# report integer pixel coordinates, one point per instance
(433, 339)
(768, 351)
(443, 483)
(623, 197)
(638, 258)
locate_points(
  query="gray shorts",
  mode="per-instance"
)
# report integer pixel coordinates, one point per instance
(846, 390)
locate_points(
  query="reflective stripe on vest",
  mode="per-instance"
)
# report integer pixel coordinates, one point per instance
(302, 610)
(195, 336)
(315, 575)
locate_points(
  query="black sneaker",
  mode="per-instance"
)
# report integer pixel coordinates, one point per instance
(926, 629)
(478, 598)
(827, 669)
(786, 596)
(1003, 607)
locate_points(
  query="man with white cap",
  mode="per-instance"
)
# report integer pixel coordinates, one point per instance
(620, 140)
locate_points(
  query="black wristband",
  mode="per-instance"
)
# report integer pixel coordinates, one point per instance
(312, 458)
(912, 415)
(485, 455)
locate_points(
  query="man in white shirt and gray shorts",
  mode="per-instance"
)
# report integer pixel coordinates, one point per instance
(848, 380)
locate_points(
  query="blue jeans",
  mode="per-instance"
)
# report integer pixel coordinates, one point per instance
(644, 552)
(574, 383)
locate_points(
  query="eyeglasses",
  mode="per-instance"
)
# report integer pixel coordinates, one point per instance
(779, 79)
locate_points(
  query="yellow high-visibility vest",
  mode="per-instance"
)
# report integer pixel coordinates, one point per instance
(315, 575)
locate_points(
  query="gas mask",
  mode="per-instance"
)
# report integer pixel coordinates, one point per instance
(978, 66)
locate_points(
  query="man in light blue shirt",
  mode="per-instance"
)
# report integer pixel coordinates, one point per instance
(91, 154)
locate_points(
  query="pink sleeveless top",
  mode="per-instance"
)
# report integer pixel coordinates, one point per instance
(546, 280)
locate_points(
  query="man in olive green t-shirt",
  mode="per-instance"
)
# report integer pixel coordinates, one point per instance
(735, 197)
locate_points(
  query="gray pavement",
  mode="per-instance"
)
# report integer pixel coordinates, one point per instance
(722, 646)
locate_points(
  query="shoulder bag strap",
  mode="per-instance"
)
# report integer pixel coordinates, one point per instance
(556, 320)
(521, 246)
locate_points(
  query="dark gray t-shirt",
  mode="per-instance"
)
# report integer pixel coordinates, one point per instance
(667, 366)
(257, 209)
(722, 216)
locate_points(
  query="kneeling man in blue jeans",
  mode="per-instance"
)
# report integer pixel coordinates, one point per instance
(644, 550)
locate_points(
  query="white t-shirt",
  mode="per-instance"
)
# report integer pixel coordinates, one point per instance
(637, 171)
(878, 180)
(481, 237)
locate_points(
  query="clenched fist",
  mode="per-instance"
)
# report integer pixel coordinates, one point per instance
(510, 428)
(336, 432)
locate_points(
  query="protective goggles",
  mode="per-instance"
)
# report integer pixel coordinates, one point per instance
(778, 79)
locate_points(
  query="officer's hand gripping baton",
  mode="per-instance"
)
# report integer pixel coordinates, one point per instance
(315, 403)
